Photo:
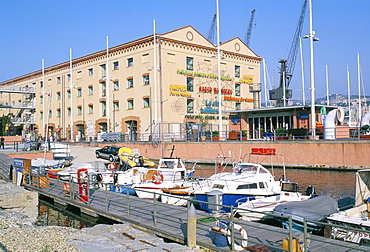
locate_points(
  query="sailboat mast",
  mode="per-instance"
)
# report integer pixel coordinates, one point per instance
(327, 85)
(349, 99)
(359, 88)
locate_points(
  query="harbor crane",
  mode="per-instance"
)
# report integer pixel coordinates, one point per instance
(249, 32)
(283, 93)
(211, 33)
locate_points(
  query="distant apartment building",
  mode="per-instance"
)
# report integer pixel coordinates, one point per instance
(134, 87)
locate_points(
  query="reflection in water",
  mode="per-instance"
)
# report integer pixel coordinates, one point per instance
(337, 184)
(50, 216)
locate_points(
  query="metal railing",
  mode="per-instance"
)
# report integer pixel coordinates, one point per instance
(82, 192)
(331, 134)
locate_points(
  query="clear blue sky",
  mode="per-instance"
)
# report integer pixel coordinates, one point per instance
(40, 29)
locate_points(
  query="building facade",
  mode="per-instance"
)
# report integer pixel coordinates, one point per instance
(134, 87)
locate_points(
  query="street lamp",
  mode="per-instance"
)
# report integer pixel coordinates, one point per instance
(219, 70)
(71, 87)
(312, 38)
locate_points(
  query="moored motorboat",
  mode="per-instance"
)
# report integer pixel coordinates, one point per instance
(247, 180)
(356, 217)
(170, 173)
(259, 208)
(314, 209)
(178, 196)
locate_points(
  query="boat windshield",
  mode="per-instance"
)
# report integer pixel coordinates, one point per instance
(167, 164)
(249, 169)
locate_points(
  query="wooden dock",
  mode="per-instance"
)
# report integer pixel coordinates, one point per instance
(170, 221)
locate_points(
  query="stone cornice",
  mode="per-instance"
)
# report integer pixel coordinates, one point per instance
(125, 48)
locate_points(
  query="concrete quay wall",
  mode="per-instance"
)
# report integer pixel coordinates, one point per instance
(353, 155)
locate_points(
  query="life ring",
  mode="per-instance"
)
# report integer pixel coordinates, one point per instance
(157, 178)
(244, 235)
(112, 166)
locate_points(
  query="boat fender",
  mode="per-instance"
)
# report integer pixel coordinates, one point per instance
(157, 178)
(99, 177)
(219, 230)
(112, 166)
(244, 235)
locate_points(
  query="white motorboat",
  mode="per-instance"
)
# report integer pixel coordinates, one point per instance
(356, 217)
(247, 180)
(99, 174)
(259, 208)
(170, 173)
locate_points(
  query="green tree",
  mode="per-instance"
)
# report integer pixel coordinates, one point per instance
(4, 120)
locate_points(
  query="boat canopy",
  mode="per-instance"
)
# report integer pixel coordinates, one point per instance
(362, 186)
(316, 208)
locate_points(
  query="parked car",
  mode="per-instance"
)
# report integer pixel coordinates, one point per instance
(108, 152)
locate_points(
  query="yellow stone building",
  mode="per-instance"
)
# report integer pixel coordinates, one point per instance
(133, 87)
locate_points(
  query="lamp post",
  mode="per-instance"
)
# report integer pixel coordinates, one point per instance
(219, 71)
(71, 86)
(312, 38)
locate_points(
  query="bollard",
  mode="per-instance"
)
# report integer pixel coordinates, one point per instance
(192, 227)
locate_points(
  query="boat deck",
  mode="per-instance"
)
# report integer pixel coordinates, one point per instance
(170, 221)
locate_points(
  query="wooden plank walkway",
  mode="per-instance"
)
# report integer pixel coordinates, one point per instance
(170, 221)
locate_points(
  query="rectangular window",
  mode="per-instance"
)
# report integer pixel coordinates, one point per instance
(91, 109)
(79, 110)
(91, 72)
(237, 89)
(237, 106)
(41, 115)
(79, 92)
(130, 83)
(190, 105)
(130, 62)
(91, 90)
(103, 108)
(237, 71)
(68, 77)
(41, 99)
(41, 84)
(146, 103)
(116, 85)
(58, 80)
(189, 84)
(69, 94)
(69, 111)
(58, 113)
(130, 104)
(58, 96)
(115, 65)
(50, 114)
(103, 89)
(189, 63)
(146, 79)
(103, 70)
(115, 105)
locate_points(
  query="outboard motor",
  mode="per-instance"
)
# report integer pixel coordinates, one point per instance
(93, 182)
(310, 190)
(115, 178)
